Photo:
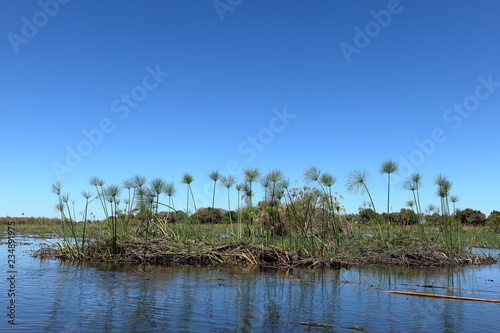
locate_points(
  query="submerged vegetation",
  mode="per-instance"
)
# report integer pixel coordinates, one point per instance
(290, 226)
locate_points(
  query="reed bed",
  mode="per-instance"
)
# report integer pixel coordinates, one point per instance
(300, 225)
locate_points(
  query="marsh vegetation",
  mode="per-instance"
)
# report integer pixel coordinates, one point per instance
(300, 225)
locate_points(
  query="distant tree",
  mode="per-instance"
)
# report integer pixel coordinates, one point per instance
(494, 219)
(471, 217)
(404, 217)
(367, 215)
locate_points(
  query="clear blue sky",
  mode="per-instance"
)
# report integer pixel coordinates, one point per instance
(159, 88)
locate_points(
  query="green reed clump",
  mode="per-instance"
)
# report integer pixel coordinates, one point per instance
(450, 226)
(325, 181)
(413, 184)
(63, 204)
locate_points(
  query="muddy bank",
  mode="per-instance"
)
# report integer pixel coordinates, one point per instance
(403, 252)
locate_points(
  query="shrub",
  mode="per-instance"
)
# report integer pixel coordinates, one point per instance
(494, 220)
(209, 215)
(471, 217)
(433, 219)
(172, 217)
(404, 217)
(225, 216)
(367, 215)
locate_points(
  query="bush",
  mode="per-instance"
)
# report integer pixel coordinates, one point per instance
(209, 215)
(172, 217)
(494, 220)
(433, 219)
(471, 217)
(367, 215)
(404, 217)
(226, 219)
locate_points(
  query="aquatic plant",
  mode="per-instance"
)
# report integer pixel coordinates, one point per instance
(443, 192)
(454, 199)
(129, 185)
(265, 183)
(413, 184)
(170, 192)
(410, 203)
(188, 179)
(111, 194)
(325, 181)
(56, 189)
(215, 176)
(87, 195)
(251, 175)
(308, 219)
(239, 188)
(98, 183)
(416, 179)
(157, 187)
(356, 183)
(388, 167)
(228, 182)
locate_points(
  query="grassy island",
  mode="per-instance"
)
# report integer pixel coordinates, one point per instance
(290, 226)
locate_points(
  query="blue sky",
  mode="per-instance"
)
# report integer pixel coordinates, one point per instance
(160, 88)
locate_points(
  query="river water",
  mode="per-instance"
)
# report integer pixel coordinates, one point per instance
(51, 296)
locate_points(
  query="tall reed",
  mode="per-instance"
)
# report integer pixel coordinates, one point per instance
(228, 182)
(239, 188)
(87, 195)
(413, 184)
(443, 191)
(170, 192)
(251, 176)
(215, 176)
(111, 194)
(56, 189)
(325, 181)
(157, 187)
(388, 167)
(188, 179)
(129, 202)
(98, 183)
(357, 183)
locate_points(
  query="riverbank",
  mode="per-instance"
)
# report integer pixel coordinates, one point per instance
(220, 245)
(405, 251)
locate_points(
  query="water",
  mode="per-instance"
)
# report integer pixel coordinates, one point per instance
(60, 297)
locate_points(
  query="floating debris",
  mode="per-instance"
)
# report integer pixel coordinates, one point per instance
(458, 298)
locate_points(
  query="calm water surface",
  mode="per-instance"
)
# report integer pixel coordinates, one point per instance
(60, 297)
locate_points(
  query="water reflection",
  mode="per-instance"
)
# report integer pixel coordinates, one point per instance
(65, 297)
